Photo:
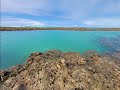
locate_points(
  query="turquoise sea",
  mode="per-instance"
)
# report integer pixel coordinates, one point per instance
(16, 46)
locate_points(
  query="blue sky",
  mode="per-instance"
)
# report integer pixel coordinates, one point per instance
(69, 13)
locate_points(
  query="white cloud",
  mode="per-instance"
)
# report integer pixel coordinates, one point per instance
(32, 7)
(73, 9)
(103, 22)
(69, 10)
(78, 9)
(110, 6)
(20, 22)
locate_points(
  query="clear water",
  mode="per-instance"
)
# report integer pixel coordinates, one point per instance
(16, 46)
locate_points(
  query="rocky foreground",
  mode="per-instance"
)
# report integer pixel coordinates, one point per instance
(55, 70)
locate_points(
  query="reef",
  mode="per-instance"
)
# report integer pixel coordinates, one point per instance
(56, 70)
(112, 44)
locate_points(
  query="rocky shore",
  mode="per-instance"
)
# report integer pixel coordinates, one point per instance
(56, 70)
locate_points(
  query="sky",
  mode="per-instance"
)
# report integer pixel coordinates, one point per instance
(60, 13)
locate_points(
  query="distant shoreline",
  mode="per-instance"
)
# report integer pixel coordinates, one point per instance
(57, 28)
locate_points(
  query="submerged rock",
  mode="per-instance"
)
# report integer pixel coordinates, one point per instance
(55, 70)
(110, 43)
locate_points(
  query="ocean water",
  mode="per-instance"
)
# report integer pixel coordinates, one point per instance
(16, 46)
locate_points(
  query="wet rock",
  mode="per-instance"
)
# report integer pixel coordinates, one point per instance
(35, 54)
(11, 72)
(54, 54)
(92, 56)
(4, 75)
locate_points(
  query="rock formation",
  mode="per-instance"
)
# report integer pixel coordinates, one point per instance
(55, 70)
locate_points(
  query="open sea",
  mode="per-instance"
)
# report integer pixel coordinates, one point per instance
(16, 46)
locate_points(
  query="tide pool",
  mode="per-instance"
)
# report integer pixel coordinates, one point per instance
(16, 46)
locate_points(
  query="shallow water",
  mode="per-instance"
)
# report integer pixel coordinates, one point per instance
(16, 46)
